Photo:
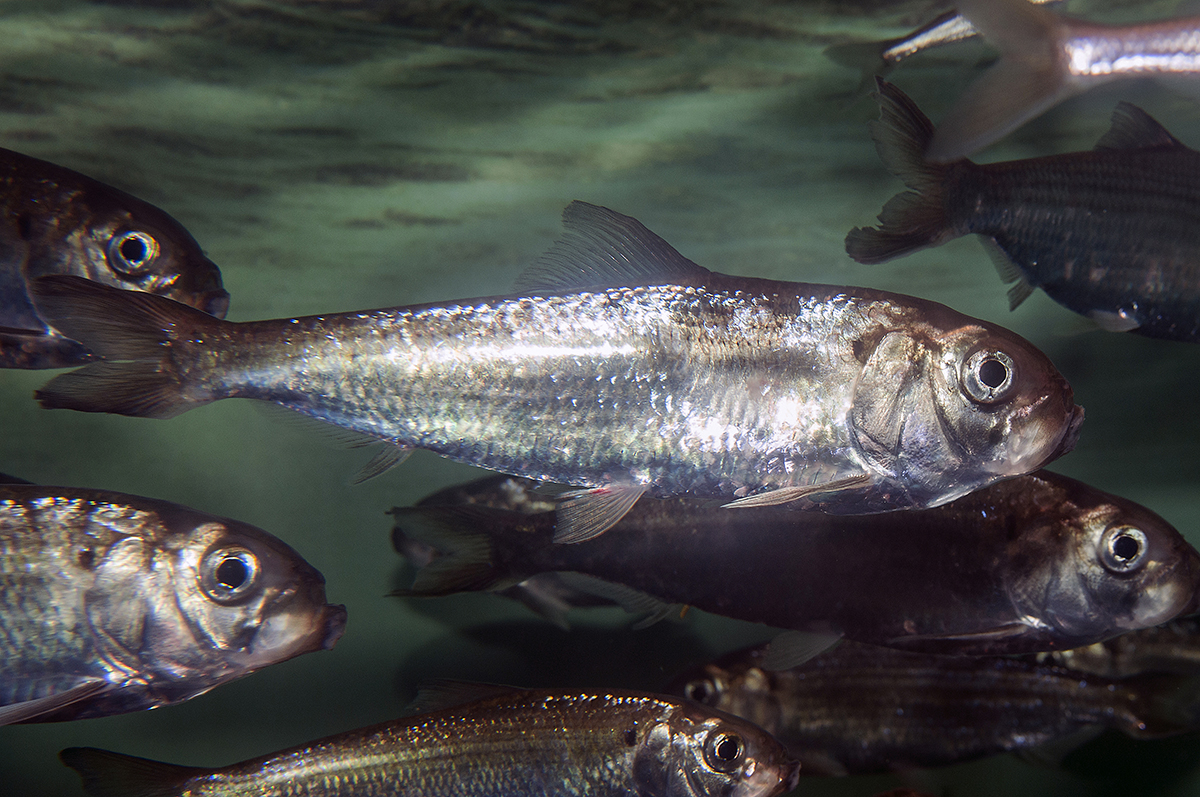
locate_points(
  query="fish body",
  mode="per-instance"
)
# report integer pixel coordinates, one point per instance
(861, 709)
(1039, 562)
(1173, 647)
(1112, 233)
(56, 221)
(677, 380)
(516, 743)
(1046, 58)
(112, 603)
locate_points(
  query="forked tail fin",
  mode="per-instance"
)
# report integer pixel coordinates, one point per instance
(135, 332)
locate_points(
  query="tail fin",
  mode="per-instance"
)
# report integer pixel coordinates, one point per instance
(139, 328)
(914, 219)
(1030, 77)
(464, 558)
(107, 774)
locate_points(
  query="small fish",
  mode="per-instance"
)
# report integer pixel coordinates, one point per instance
(112, 603)
(861, 709)
(1112, 233)
(623, 368)
(1046, 58)
(503, 743)
(1038, 562)
(56, 221)
(1173, 647)
(879, 57)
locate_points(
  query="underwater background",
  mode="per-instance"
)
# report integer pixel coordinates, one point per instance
(338, 155)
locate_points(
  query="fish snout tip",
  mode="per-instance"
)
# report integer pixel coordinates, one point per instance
(215, 302)
(335, 625)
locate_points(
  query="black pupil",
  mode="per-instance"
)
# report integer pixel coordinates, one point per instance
(699, 691)
(232, 573)
(133, 249)
(1126, 547)
(727, 749)
(993, 373)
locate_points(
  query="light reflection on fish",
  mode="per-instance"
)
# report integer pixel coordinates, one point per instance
(112, 603)
(1039, 562)
(861, 709)
(56, 221)
(503, 743)
(1046, 58)
(1112, 233)
(623, 368)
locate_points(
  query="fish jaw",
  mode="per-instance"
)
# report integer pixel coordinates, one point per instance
(1041, 442)
(762, 779)
(287, 634)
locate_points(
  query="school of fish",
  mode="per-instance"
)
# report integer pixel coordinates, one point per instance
(858, 469)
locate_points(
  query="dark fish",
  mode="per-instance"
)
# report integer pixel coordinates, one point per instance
(1038, 562)
(1113, 233)
(861, 709)
(669, 379)
(1173, 647)
(506, 743)
(112, 603)
(1046, 58)
(56, 221)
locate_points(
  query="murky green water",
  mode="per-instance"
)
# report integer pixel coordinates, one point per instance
(345, 155)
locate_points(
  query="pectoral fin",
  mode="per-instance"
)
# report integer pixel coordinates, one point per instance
(584, 514)
(786, 495)
(32, 709)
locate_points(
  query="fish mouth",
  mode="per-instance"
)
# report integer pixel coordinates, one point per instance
(1070, 435)
(293, 632)
(214, 302)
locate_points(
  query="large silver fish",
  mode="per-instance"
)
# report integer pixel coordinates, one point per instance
(1112, 233)
(861, 709)
(623, 368)
(1038, 562)
(1046, 58)
(503, 743)
(56, 221)
(112, 603)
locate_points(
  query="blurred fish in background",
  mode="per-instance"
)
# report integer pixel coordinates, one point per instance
(112, 603)
(1172, 647)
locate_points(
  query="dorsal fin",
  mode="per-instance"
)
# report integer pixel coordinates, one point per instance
(602, 249)
(1133, 128)
(443, 693)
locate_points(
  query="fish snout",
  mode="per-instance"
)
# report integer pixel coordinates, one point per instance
(214, 302)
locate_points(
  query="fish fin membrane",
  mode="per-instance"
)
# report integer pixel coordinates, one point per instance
(601, 249)
(33, 710)
(913, 219)
(384, 460)
(463, 559)
(786, 495)
(1133, 128)
(108, 774)
(1029, 78)
(631, 600)
(793, 648)
(1009, 272)
(443, 693)
(584, 514)
(133, 326)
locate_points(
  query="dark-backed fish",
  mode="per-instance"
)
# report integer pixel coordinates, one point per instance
(56, 221)
(1046, 58)
(507, 743)
(112, 603)
(1112, 233)
(668, 379)
(1039, 562)
(860, 709)
(1173, 647)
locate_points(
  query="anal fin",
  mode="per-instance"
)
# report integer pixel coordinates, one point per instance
(584, 514)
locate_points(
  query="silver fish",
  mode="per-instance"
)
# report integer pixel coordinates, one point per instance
(112, 603)
(624, 368)
(860, 709)
(503, 743)
(1046, 58)
(56, 221)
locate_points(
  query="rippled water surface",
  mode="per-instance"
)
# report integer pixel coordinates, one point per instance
(343, 155)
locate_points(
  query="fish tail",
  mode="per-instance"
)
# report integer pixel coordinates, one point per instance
(137, 333)
(465, 556)
(914, 219)
(1030, 77)
(108, 774)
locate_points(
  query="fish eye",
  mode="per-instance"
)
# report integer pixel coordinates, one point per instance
(1123, 549)
(228, 574)
(132, 253)
(701, 691)
(723, 751)
(988, 376)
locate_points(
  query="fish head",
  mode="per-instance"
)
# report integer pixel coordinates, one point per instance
(944, 410)
(698, 751)
(1093, 565)
(736, 686)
